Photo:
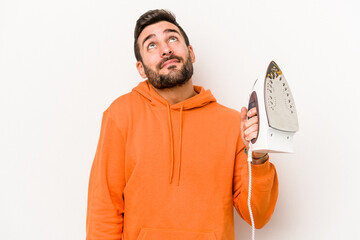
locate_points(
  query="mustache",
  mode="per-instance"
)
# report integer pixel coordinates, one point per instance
(168, 58)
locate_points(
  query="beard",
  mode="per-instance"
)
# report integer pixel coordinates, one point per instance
(176, 77)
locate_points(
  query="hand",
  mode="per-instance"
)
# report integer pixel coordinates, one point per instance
(249, 128)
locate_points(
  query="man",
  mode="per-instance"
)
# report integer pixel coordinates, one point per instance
(171, 161)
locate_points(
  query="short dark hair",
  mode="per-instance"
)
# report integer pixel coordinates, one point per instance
(151, 17)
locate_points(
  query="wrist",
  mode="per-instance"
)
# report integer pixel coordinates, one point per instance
(259, 158)
(256, 155)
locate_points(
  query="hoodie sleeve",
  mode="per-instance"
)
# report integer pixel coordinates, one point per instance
(264, 190)
(105, 210)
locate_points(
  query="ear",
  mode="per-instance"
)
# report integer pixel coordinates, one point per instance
(140, 68)
(192, 54)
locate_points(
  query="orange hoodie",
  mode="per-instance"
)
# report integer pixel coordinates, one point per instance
(173, 172)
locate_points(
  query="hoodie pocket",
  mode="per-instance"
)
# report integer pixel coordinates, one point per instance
(174, 234)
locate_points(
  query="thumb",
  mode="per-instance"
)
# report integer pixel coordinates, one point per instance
(243, 115)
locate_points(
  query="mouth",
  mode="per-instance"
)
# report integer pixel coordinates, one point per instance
(169, 62)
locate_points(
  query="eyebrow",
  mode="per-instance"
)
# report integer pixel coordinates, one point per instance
(168, 30)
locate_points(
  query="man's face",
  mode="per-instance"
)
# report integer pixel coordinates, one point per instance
(166, 60)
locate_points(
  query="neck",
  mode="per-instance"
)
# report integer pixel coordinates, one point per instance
(177, 94)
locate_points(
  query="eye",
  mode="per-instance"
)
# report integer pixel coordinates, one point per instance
(151, 46)
(173, 39)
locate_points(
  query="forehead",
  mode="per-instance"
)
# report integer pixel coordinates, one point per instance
(156, 29)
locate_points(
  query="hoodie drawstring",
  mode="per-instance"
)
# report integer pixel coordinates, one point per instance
(172, 144)
(180, 141)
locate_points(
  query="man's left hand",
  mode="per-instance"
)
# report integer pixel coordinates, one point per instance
(249, 130)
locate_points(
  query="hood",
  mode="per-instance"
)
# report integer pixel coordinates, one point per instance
(203, 98)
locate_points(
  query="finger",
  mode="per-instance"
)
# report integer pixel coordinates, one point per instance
(252, 112)
(251, 136)
(251, 121)
(253, 129)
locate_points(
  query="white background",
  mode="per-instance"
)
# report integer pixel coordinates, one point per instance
(63, 62)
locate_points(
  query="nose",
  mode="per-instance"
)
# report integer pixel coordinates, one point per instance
(166, 51)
